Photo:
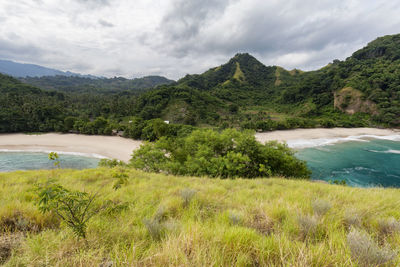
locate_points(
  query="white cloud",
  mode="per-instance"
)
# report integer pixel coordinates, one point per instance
(175, 37)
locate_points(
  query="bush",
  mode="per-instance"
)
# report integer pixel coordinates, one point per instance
(110, 163)
(366, 252)
(228, 154)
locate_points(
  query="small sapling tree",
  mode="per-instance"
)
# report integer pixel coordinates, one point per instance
(74, 208)
(53, 156)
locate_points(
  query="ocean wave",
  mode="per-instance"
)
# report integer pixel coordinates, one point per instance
(318, 142)
(89, 155)
(390, 151)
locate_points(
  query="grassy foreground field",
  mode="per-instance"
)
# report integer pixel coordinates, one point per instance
(164, 220)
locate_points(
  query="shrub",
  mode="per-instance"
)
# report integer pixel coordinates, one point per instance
(110, 163)
(366, 252)
(121, 176)
(321, 207)
(228, 154)
(73, 207)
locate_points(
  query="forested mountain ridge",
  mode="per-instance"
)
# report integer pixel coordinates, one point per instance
(363, 90)
(366, 85)
(84, 84)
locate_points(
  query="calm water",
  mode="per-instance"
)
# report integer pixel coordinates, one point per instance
(361, 163)
(12, 161)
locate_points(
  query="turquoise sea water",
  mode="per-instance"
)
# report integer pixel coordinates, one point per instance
(362, 163)
(12, 161)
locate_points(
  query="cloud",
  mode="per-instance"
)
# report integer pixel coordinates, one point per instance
(105, 23)
(175, 37)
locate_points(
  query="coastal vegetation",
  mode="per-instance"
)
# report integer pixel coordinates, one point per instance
(362, 90)
(229, 154)
(159, 219)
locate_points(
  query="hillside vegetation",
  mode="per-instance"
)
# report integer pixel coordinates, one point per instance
(159, 220)
(363, 90)
(85, 84)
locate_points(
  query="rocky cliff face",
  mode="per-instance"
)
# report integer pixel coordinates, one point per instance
(351, 100)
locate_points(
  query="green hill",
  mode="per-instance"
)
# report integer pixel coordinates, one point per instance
(85, 84)
(361, 91)
(163, 220)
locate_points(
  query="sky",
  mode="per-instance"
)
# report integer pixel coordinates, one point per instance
(134, 38)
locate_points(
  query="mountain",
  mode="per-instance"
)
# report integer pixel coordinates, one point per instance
(363, 90)
(85, 84)
(30, 70)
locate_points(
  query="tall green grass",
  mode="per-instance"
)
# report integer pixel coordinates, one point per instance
(159, 220)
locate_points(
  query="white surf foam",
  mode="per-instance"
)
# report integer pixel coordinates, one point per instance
(89, 155)
(390, 151)
(307, 143)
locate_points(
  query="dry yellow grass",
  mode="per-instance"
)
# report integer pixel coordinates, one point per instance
(224, 223)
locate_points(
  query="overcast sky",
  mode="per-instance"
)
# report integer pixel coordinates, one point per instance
(132, 38)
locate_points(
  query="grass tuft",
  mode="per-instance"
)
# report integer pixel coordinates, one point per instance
(321, 207)
(388, 226)
(352, 218)
(366, 252)
(8, 242)
(187, 195)
(308, 225)
(261, 222)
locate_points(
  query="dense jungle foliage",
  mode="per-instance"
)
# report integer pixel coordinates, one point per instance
(363, 90)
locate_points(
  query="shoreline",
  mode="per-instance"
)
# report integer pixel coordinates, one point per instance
(303, 138)
(120, 148)
(96, 146)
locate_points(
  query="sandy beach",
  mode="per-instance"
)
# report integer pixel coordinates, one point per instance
(105, 146)
(121, 148)
(299, 138)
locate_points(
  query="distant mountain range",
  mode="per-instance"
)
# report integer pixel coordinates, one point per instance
(52, 79)
(31, 70)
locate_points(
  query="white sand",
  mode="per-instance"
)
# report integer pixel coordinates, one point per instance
(121, 148)
(319, 136)
(105, 146)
